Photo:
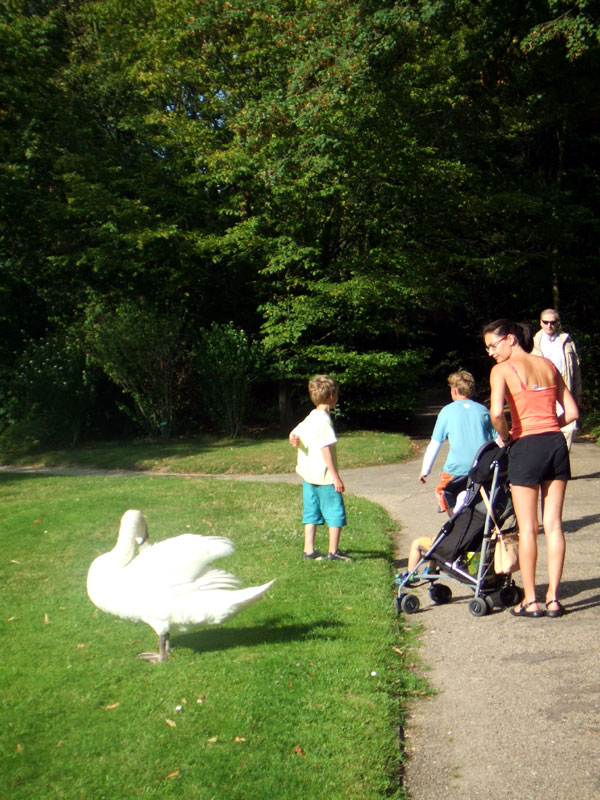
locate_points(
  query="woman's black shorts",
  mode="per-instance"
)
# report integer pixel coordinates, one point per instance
(537, 458)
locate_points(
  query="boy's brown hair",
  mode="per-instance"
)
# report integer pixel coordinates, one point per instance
(463, 382)
(321, 388)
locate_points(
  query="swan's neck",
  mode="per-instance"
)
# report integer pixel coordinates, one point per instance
(124, 550)
(133, 530)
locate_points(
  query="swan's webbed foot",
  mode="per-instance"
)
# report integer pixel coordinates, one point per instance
(164, 648)
(153, 658)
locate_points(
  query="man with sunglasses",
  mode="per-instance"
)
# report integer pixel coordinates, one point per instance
(560, 349)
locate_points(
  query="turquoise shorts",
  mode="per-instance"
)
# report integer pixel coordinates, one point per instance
(322, 504)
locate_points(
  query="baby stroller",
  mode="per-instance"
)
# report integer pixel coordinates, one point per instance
(462, 549)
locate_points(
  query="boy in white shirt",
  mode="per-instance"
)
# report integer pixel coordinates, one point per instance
(322, 485)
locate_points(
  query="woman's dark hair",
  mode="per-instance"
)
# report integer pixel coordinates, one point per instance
(522, 331)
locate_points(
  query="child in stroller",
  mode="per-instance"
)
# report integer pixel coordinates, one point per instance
(462, 547)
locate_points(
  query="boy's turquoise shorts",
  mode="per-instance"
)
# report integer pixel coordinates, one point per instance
(322, 504)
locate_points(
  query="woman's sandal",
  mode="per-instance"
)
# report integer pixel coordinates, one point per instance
(520, 611)
(558, 612)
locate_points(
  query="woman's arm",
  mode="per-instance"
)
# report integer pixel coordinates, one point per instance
(497, 397)
(567, 401)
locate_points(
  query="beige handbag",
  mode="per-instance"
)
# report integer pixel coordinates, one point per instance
(506, 552)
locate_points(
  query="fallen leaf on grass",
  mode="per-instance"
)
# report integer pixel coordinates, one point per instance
(397, 650)
(213, 740)
(112, 705)
(19, 748)
(46, 619)
(171, 723)
(80, 644)
(299, 751)
(238, 739)
(173, 774)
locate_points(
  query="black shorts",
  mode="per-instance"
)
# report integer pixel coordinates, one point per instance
(538, 458)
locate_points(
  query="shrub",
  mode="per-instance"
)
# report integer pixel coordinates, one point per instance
(50, 398)
(141, 350)
(227, 363)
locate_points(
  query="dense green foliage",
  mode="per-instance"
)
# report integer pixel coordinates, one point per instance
(357, 185)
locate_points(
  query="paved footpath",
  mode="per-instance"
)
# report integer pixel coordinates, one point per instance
(516, 714)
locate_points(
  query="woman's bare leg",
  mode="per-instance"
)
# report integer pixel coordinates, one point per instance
(525, 502)
(553, 494)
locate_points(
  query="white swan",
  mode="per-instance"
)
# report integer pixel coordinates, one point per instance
(168, 585)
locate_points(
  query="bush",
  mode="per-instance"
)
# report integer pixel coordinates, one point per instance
(140, 350)
(50, 399)
(375, 387)
(227, 363)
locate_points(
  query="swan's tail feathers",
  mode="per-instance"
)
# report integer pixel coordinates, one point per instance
(215, 607)
(243, 598)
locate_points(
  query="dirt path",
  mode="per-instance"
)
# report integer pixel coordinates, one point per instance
(517, 708)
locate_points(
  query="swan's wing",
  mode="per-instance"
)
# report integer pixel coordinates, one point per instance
(180, 560)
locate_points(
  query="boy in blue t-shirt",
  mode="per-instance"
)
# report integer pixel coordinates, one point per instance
(467, 425)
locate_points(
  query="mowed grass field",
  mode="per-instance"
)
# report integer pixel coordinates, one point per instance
(299, 696)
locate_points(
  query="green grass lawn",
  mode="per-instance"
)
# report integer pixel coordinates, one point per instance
(210, 455)
(299, 696)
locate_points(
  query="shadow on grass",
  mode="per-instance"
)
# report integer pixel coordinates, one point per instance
(227, 638)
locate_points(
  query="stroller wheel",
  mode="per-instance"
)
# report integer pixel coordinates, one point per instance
(510, 595)
(409, 603)
(440, 594)
(478, 607)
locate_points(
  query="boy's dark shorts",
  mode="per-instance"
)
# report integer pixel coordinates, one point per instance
(538, 458)
(322, 504)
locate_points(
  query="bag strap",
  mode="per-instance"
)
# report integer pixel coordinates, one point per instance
(488, 505)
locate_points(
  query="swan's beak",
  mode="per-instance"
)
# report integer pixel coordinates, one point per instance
(140, 540)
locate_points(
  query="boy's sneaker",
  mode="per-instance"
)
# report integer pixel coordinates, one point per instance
(339, 556)
(430, 571)
(414, 580)
(314, 556)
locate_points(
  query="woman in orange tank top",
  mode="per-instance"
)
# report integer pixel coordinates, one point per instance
(538, 455)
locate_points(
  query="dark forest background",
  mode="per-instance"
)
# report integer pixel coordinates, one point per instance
(204, 202)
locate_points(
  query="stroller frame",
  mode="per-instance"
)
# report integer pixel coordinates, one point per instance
(490, 589)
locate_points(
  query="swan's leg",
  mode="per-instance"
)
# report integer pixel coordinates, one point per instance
(164, 646)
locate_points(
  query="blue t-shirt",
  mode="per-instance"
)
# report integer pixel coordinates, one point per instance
(467, 425)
